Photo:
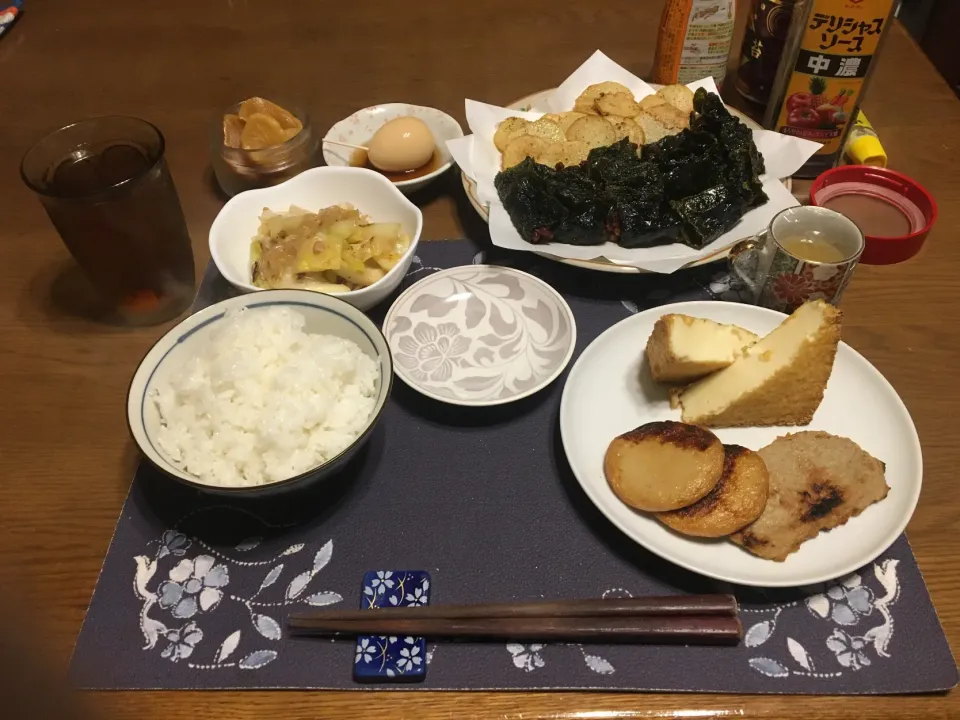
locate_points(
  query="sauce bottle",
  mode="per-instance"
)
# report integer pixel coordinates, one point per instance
(694, 41)
(826, 65)
(763, 42)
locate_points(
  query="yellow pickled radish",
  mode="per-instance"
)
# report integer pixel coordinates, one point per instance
(261, 131)
(258, 105)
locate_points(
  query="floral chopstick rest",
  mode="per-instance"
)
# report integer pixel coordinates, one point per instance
(393, 658)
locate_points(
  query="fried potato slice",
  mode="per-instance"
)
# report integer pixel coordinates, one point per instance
(507, 130)
(585, 103)
(673, 119)
(522, 147)
(592, 130)
(652, 128)
(546, 129)
(572, 152)
(566, 119)
(650, 101)
(679, 96)
(626, 127)
(621, 104)
(585, 108)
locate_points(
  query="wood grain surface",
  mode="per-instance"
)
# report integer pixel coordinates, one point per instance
(66, 460)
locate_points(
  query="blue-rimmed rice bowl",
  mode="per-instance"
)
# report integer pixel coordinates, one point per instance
(324, 314)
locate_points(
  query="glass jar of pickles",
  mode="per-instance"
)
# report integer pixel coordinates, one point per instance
(257, 143)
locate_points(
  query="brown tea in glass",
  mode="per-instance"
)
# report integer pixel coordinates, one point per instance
(105, 186)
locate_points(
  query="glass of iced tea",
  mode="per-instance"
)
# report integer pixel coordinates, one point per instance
(106, 187)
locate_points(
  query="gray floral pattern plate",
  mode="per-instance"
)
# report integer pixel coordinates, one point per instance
(480, 335)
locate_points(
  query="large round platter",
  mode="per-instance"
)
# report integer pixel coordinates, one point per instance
(538, 102)
(480, 335)
(609, 391)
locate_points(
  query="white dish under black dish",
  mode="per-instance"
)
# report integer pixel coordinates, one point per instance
(609, 391)
(538, 102)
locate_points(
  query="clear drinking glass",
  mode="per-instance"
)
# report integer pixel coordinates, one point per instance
(105, 186)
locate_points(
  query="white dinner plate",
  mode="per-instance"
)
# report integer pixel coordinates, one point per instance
(609, 391)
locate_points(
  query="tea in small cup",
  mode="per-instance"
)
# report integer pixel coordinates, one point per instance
(807, 253)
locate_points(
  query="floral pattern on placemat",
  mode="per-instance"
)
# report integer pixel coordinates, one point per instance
(531, 657)
(174, 609)
(843, 606)
(840, 610)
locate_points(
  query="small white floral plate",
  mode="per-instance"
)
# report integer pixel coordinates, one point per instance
(480, 335)
(360, 127)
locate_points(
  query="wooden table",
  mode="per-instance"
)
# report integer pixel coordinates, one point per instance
(66, 460)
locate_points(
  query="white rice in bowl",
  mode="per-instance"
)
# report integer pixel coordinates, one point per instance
(263, 401)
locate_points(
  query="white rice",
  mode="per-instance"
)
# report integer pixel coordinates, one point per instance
(263, 400)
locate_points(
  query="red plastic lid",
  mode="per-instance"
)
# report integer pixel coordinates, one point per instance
(909, 197)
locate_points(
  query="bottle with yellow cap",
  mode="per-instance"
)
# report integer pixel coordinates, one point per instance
(863, 146)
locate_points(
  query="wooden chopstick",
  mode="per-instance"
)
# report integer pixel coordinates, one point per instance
(679, 605)
(684, 629)
(692, 619)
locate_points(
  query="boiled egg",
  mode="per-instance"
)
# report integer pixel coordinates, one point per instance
(402, 144)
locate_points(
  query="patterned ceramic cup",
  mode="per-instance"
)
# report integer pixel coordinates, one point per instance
(807, 253)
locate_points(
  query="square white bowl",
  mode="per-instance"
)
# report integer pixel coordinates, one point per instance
(369, 192)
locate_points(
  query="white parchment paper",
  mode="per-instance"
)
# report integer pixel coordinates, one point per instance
(479, 159)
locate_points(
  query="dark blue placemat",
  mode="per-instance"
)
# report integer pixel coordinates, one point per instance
(193, 592)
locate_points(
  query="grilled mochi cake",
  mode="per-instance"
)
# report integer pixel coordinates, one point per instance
(737, 500)
(663, 465)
